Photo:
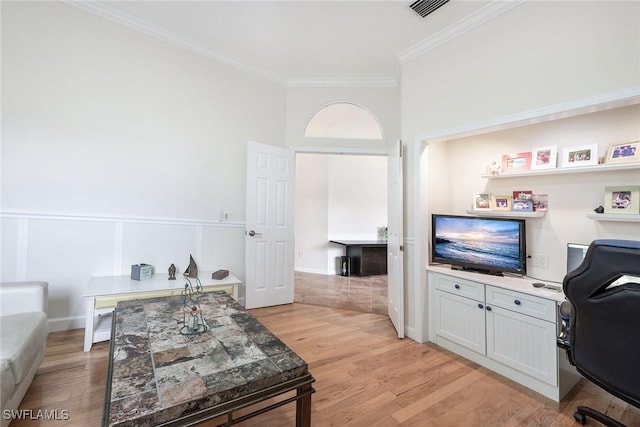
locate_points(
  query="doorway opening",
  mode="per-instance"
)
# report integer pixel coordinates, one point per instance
(338, 197)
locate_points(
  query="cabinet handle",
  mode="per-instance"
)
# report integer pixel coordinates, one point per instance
(480, 306)
(489, 308)
(457, 286)
(517, 302)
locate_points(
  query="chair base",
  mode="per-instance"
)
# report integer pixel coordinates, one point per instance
(584, 411)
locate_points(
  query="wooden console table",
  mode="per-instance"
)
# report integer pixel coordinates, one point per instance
(368, 257)
(158, 376)
(103, 293)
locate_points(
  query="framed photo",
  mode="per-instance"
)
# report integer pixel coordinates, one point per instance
(500, 203)
(481, 202)
(544, 157)
(585, 155)
(540, 202)
(522, 205)
(622, 200)
(516, 162)
(522, 194)
(623, 152)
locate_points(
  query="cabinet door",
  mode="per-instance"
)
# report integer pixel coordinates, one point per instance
(523, 343)
(460, 320)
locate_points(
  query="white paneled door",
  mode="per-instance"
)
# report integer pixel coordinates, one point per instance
(269, 226)
(395, 250)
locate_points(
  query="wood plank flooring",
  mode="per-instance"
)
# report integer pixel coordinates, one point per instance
(365, 376)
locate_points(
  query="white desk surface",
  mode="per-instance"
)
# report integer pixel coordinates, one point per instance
(519, 284)
(118, 285)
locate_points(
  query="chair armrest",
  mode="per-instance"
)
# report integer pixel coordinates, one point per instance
(565, 321)
(23, 297)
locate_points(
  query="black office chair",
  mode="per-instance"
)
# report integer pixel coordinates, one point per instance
(601, 322)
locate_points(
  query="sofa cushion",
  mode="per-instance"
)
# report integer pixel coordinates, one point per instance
(22, 337)
(7, 382)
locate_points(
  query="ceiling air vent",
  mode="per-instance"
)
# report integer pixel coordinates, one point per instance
(425, 7)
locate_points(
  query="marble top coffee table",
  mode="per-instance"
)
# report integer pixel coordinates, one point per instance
(158, 376)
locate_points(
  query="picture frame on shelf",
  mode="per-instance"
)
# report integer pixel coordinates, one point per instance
(583, 155)
(522, 194)
(622, 199)
(522, 205)
(544, 157)
(481, 202)
(501, 203)
(516, 162)
(623, 152)
(540, 202)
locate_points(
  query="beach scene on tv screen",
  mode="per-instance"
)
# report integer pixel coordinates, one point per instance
(487, 242)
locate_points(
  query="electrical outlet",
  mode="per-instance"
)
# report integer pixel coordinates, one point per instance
(301, 254)
(539, 260)
(227, 215)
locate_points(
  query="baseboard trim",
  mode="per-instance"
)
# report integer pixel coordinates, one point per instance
(315, 271)
(58, 324)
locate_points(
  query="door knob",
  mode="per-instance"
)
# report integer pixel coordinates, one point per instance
(252, 233)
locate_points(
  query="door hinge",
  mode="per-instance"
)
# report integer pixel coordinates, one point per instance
(401, 147)
(401, 248)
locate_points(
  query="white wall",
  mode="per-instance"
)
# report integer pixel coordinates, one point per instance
(357, 197)
(118, 123)
(338, 197)
(311, 213)
(118, 148)
(537, 55)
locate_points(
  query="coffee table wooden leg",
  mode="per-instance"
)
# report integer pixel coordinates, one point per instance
(303, 406)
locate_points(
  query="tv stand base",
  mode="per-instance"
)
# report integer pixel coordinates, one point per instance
(477, 270)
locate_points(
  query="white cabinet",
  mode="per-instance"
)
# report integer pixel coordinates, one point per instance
(523, 343)
(460, 320)
(506, 330)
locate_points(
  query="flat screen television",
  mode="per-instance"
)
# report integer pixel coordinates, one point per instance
(481, 244)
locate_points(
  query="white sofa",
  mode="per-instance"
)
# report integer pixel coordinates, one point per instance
(23, 338)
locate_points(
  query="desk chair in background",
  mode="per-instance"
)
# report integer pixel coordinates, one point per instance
(601, 322)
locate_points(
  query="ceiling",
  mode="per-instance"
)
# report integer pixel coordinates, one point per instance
(298, 43)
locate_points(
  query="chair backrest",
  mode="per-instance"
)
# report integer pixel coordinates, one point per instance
(604, 292)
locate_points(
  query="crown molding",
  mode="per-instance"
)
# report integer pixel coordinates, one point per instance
(475, 19)
(172, 38)
(343, 82)
(471, 21)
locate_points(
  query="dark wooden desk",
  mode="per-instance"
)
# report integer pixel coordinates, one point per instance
(368, 257)
(158, 377)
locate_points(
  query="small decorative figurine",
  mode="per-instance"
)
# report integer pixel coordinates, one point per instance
(493, 169)
(599, 209)
(192, 321)
(192, 270)
(172, 272)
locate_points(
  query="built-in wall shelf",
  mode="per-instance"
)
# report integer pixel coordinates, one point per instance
(510, 214)
(614, 217)
(558, 171)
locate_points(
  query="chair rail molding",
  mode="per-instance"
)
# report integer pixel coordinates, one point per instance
(18, 214)
(25, 248)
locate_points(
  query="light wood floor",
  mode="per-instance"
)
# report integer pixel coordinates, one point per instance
(365, 376)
